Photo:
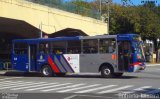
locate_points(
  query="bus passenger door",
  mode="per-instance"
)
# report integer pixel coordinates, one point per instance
(124, 55)
(32, 55)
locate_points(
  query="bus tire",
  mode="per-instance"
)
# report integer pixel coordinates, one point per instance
(106, 72)
(118, 75)
(46, 71)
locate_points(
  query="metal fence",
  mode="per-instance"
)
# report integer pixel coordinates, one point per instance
(70, 7)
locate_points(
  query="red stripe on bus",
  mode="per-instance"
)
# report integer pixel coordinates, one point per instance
(136, 64)
(54, 67)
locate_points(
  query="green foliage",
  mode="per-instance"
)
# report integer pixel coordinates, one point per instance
(82, 7)
(137, 19)
(82, 3)
(75, 6)
(48, 1)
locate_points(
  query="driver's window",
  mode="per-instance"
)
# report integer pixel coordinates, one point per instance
(44, 48)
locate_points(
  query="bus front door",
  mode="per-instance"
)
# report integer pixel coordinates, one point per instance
(32, 53)
(124, 53)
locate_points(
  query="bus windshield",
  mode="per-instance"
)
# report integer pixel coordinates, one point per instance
(139, 51)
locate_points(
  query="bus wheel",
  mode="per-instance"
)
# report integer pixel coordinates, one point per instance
(46, 71)
(106, 72)
(118, 74)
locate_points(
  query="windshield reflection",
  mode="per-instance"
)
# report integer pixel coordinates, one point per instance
(139, 51)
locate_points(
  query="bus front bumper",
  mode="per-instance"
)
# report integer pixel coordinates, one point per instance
(137, 68)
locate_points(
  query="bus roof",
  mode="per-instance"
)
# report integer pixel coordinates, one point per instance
(126, 36)
(36, 40)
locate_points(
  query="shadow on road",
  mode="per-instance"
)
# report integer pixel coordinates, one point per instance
(22, 74)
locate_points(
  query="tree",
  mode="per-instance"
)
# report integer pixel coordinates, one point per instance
(82, 7)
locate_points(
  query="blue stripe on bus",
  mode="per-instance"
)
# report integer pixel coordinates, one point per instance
(64, 63)
(59, 62)
(56, 59)
(67, 63)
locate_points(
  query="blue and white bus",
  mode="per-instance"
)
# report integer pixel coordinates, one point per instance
(111, 55)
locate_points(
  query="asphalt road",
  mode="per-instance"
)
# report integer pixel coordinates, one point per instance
(145, 84)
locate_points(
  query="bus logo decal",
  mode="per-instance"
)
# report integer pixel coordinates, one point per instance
(73, 61)
(68, 58)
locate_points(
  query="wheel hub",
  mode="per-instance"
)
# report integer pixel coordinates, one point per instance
(107, 71)
(46, 71)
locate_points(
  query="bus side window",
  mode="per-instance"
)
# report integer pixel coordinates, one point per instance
(107, 45)
(90, 46)
(74, 47)
(58, 47)
(44, 48)
(20, 48)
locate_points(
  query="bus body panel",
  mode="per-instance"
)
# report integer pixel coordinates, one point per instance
(20, 62)
(42, 59)
(92, 62)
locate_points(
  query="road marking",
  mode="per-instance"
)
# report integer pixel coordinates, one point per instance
(52, 85)
(154, 91)
(10, 78)
(78, 88)
(138, 89)
(14, 83)
(70, 97)
(56, 85)
(93, 89)
(72, 86)
(88, 97)
(35, 85)
(6, 82)
(21, 85)
(115, 89)
(142, 88)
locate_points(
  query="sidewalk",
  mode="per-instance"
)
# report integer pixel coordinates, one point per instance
(152, 64)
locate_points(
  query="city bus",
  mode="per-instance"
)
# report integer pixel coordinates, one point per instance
(110, 55)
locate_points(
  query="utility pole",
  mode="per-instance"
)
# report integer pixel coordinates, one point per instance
(100, 7)
(40, 28)
(108, 13)
(108, 10)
